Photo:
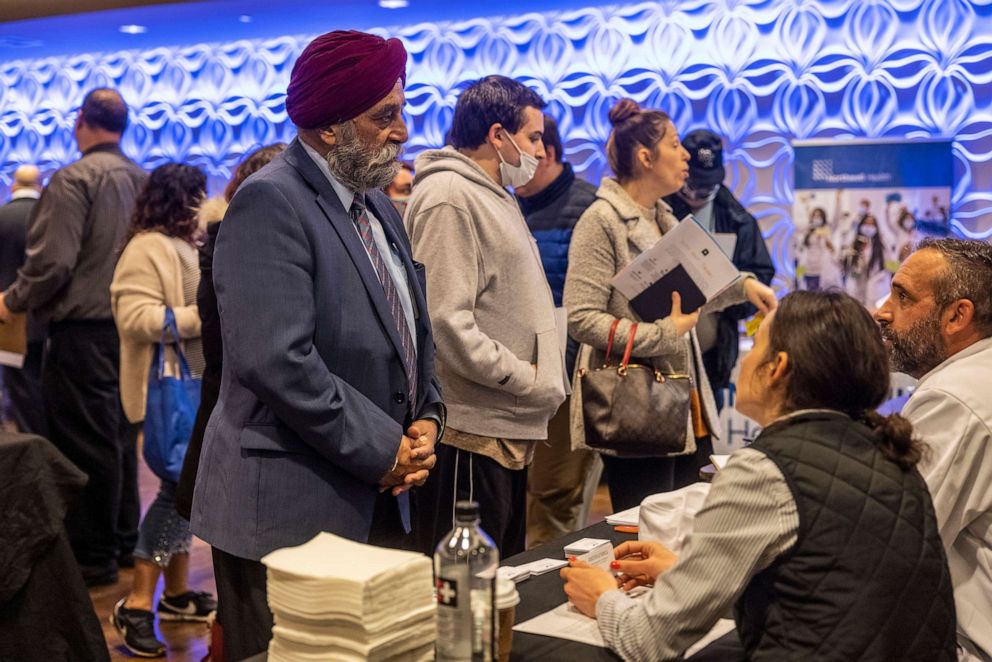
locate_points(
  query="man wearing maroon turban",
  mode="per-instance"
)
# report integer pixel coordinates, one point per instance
(329, 410)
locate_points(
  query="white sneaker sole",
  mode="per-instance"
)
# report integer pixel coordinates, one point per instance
(193, 618)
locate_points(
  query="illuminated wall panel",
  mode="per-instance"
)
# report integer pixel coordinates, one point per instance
(759, 72)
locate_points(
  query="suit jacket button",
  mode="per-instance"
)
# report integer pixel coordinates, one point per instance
(399, 397)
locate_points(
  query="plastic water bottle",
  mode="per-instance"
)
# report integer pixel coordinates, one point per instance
(465, 564)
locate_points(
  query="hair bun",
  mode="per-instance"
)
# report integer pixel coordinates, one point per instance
(623, 111)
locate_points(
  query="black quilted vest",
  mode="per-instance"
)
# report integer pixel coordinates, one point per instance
(867, 578)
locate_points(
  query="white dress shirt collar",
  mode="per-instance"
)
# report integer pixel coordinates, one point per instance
(29, 193)
(979, 346)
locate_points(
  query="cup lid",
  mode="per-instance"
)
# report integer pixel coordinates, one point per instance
(506, 593)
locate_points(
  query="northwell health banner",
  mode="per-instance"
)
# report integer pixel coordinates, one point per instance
(859, 208)
(861, 205)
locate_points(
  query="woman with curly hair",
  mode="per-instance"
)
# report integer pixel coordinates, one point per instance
(158, 270)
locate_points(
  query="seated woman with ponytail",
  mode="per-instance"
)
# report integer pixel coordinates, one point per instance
(820, 534)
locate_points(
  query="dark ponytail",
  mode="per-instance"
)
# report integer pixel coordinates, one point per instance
(837, 361)
(895, 438)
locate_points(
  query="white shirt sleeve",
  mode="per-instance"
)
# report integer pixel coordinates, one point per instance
(958, 466)
(749, 519)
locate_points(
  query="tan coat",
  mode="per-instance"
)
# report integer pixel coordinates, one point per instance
(612, 233)
(148, 279)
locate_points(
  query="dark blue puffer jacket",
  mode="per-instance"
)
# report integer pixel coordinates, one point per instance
(551, 216)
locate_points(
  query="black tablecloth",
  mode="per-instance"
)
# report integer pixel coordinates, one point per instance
(45, 610)
(544, 593)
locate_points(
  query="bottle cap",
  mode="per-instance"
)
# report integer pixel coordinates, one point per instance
(466, 511)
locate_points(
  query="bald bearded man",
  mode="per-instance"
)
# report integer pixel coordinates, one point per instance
(328, 410)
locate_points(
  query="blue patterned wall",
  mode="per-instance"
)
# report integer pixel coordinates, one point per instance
(758, 71)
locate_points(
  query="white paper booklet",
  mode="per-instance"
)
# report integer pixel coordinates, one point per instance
(687, 260)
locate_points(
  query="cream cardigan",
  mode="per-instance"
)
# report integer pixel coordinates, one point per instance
(148, 279)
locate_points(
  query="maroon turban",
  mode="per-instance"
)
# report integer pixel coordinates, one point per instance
(342, 74)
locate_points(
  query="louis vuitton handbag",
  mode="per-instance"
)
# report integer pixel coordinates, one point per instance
(632, 409)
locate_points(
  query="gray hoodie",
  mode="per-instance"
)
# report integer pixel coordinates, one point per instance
(491, 309)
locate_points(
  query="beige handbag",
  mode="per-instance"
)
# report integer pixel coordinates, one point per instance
(633, 409)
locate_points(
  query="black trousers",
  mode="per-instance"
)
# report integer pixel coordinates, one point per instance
(242, 599)
(82, 398)
(500, 492)
(631, 479)
(242, 605)
(24, 387)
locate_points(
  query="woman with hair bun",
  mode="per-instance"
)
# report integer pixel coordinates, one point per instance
(821, 534)
(627, 218)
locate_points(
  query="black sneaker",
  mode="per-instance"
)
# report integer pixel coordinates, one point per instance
(190, 606)
(137, 629)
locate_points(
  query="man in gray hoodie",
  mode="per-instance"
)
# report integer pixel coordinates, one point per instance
(500, 357)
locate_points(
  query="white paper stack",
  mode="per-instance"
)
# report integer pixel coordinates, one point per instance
(335, 599)
(627, 517)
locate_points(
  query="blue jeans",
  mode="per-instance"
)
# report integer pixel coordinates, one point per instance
(163, 531)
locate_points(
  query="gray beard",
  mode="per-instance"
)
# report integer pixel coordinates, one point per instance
(361, 167)
(919, 350)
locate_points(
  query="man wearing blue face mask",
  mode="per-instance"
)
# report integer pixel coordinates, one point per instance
(715, 207)
(500, 359)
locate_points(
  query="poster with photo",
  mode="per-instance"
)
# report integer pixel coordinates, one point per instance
(860, 206)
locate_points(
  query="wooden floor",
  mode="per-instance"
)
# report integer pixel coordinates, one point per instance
(188, 642)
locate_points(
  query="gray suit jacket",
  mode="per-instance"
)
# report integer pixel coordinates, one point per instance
(313, 394)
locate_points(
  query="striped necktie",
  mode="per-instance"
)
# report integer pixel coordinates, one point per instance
(360, 217)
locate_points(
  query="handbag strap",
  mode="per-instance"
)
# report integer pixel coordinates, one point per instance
(171, 329)
(609, 343)
(630, 345)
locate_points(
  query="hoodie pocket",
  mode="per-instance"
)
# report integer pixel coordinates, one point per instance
(549, 386)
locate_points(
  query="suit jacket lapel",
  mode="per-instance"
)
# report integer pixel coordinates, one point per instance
(341, 221)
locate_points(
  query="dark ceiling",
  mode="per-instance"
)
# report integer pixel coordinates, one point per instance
(19, 10)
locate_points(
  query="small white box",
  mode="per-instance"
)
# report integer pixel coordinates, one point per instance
(594, 551)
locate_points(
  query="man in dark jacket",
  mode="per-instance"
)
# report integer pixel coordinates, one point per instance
(715, 207)
(24, 383)
(552, 203)
(73, 240)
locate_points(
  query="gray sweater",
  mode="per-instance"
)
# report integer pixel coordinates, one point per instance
(491, 309)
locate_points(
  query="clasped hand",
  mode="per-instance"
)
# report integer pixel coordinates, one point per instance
(414, 459)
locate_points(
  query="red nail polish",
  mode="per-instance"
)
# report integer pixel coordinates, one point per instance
(615, 565)
(572, 559)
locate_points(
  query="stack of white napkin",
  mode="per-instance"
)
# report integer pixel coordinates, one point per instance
(335, 599)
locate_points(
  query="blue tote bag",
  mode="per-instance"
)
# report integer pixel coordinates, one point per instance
(171, 407)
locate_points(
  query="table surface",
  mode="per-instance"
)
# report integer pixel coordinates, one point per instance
(544, 592)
